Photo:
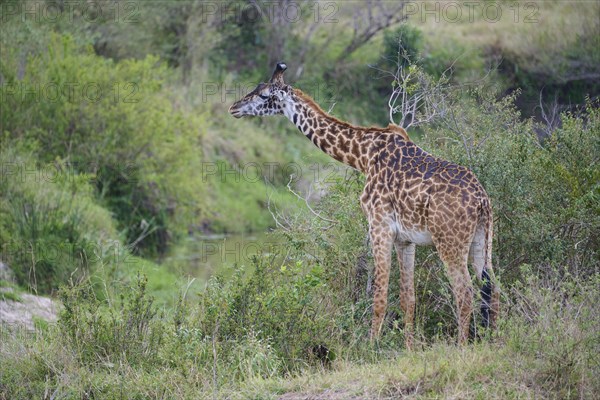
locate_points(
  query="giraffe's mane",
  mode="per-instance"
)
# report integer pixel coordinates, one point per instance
(312, 104)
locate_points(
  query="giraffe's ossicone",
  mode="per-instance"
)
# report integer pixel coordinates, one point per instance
(410, 198)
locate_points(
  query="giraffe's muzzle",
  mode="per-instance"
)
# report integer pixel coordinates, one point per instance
(235, 111)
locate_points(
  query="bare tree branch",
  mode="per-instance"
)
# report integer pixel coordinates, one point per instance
(372, 17)
(550, 115)
(305, 199)
(416, 97)
(277, 217)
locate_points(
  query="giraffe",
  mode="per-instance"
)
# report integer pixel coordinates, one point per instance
(410, 198)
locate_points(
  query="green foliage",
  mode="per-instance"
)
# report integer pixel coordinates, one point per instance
(110, 120)
(253, 35)
(104, 336)
(455, 59)
(10, 296)
(241, 34)
(279, 305)
(110, 279)
(546, 342)
(407, 46)
(406, 40)
(568, 163)
(51, 227)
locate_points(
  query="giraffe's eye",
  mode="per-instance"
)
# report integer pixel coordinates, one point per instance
(263, 96)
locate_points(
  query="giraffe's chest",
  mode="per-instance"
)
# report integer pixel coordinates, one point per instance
(411, 234)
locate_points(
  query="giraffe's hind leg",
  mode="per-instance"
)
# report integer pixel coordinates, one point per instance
(477, 251)
(454, 256)
(477, 257)
(481, 258)
(406, 262)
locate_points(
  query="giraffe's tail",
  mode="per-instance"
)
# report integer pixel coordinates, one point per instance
(490, 292)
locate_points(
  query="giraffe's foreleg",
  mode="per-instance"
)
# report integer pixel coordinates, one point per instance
(381, 239)
(406, 261)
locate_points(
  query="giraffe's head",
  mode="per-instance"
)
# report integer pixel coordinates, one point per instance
(266, 99)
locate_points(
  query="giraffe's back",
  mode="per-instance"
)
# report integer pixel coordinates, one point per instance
(428, 196)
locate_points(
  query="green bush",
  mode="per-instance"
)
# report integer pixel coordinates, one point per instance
(53, 231)
(130, 333)
(278, 305)
(110, 120)
(406, 40)
(51, 227)
(548, 332)
(567, 178)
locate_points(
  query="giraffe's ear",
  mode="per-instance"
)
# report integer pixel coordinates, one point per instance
(278, 73)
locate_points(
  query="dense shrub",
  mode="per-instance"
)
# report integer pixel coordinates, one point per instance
(130, 332)
(262, 323)
(109, 120)
(280, 304)
(51, 227)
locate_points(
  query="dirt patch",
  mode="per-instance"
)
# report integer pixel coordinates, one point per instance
(21, 314)
(326, 395)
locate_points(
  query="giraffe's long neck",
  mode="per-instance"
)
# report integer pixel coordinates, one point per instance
(340, 140)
